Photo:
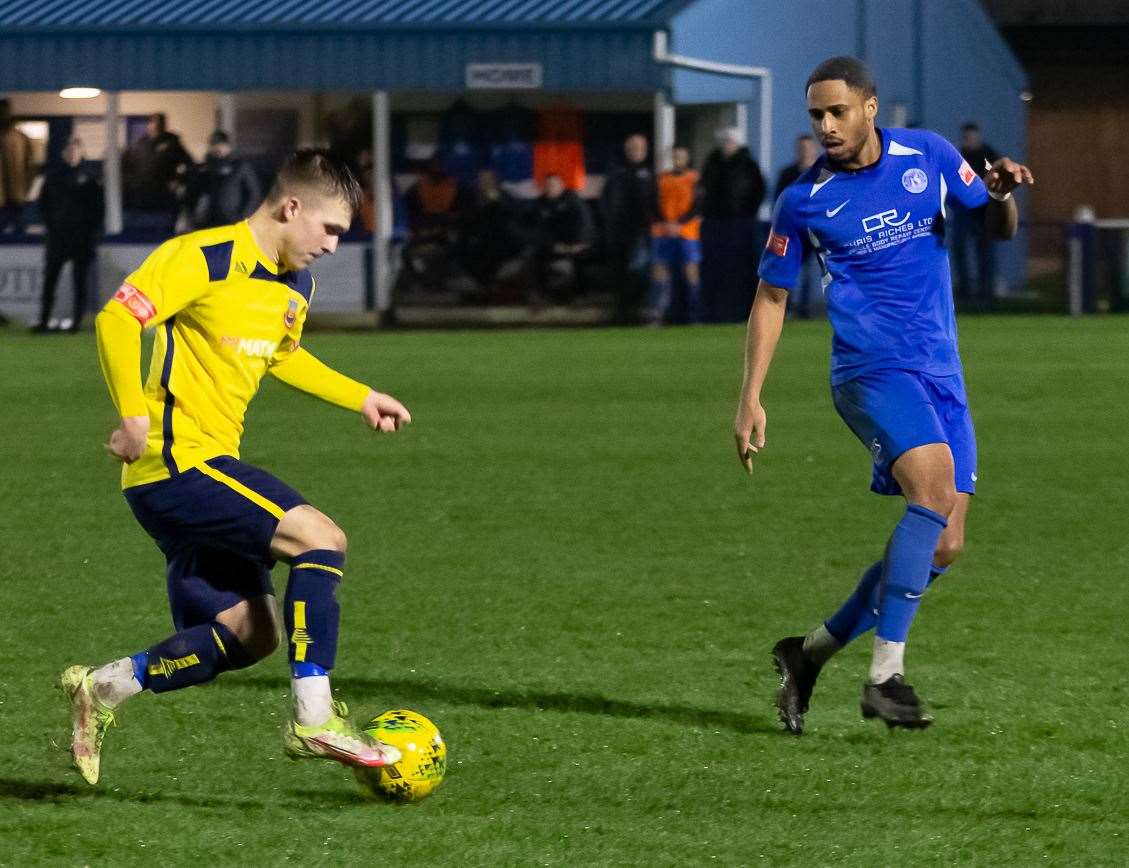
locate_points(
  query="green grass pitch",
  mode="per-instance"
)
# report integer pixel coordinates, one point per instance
(563, 565)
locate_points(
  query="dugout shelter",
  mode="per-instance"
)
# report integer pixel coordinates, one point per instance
(687, 66)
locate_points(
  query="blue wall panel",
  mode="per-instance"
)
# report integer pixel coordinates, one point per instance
(969, 79)
(889, 54)
(944, 61)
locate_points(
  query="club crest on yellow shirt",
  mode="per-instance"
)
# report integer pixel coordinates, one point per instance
(291, 315)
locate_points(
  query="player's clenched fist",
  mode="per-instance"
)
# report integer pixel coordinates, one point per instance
(127, 441)
(1005, 175)
(384, 413)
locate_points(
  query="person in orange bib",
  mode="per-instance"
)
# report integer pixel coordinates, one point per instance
(676, 239)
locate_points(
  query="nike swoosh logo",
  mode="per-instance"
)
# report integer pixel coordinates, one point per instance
(831, 212)
(910, 596)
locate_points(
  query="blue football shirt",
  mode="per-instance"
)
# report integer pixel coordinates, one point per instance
(879, 235)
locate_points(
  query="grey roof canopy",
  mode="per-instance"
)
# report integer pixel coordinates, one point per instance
(309, 44)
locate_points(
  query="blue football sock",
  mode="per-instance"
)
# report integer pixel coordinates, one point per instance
(192, 656)
(909, 556)
(859, 613)
(853, 620)
(311, 611)
(140, 668)
(660, 296)
(694, 302)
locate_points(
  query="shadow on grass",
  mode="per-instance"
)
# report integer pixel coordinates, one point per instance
(48, 792)
(537, 700)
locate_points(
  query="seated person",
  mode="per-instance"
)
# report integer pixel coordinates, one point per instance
(434, 205)
(564, 234)
(494, 236)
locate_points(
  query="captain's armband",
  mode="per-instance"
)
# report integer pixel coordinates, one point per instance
(136, 302)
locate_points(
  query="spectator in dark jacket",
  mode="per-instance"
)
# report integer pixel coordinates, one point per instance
(732, 182)
(435, 204)
(72, 206)
(732, 192)
(152, 169)
(564, 233)
(224, 188)
(799, 299)
(806, 153)
(970, 240)
(494, 234)
(628, 207)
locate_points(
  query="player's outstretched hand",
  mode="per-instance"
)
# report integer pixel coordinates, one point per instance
(1005, 175)
(384, 413)
(127, 441)
(748, 430)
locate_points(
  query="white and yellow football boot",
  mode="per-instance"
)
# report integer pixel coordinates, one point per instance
(90, 719)
(337, 739)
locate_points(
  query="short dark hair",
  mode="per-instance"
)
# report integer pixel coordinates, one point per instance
(850, 70)
(219, 137)
(316, 169)
(970, 128)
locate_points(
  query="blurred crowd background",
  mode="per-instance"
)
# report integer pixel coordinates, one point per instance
(528, 193)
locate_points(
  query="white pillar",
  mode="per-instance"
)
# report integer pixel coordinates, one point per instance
(382, 199)
(765, 146)
(1078, 249)
(225, 115)
(664, 131)
(112, 167)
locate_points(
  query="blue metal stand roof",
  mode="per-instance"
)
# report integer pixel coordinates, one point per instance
(85, 15)
(309, 44)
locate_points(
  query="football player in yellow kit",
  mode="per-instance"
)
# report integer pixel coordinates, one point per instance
(228, 305)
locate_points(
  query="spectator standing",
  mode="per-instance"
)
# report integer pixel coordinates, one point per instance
(809, 279)
(676, 248)
(152, 169)
(16, 171)
(224, 188)
(564, 233)
(628, 207)
(72, 204)
(732, 191)
(970, 239)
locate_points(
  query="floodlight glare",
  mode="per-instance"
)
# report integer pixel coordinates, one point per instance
(79, 92)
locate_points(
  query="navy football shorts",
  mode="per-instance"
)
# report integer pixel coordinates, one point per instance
(893, 411)
(214, 524)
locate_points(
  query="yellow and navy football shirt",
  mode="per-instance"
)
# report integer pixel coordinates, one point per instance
(224, 316)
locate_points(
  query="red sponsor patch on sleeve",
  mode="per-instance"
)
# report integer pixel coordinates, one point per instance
(966, 173)
(778, 244)
(136, 302)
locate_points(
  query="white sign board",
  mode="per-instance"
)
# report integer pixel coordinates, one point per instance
(503, 76)
(340, 278)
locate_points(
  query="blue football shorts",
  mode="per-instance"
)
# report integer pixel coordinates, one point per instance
(893, 411)
(673, 252)
(214, 523)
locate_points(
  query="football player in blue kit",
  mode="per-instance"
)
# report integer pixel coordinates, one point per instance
(872, 208)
